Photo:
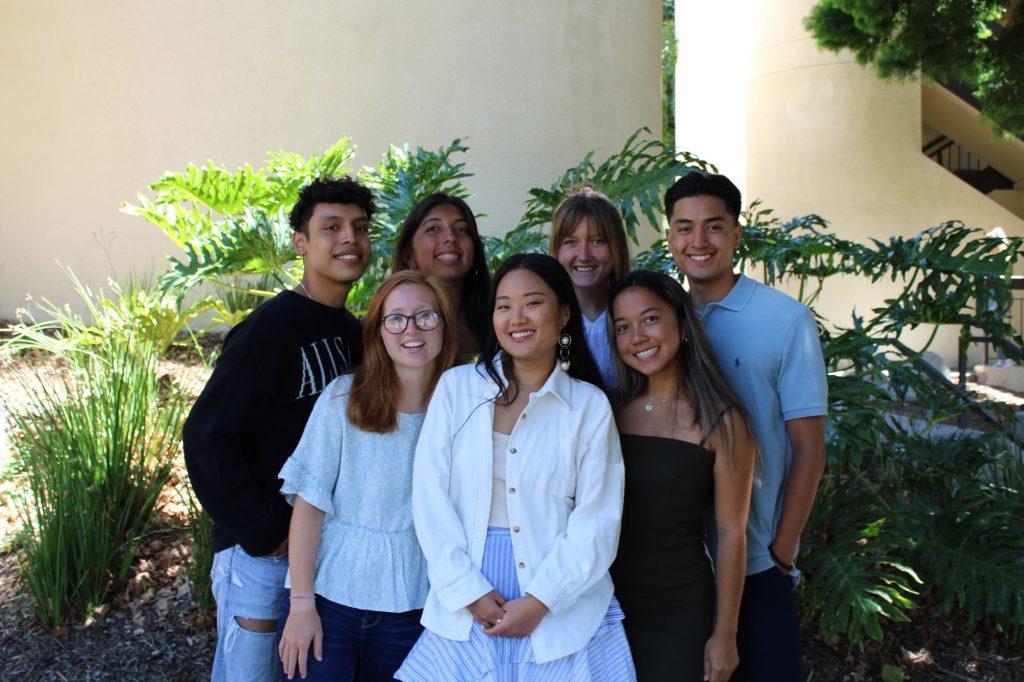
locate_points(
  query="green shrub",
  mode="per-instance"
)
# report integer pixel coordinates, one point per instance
(96, 445)
(198, 559)
(135, 314)
(234, 224)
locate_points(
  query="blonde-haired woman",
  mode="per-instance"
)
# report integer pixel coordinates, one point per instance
(358, 579)
(589, 239)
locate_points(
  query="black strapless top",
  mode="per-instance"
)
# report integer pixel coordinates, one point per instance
(669, 487)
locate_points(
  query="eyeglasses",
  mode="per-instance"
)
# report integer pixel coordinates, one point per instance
(396, 323)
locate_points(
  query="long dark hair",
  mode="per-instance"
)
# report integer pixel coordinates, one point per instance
(476, 283)
(581, 362)
(700, 379)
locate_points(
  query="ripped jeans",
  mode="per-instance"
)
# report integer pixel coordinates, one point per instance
(247, 587)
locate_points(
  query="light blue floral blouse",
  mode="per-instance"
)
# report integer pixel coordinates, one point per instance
(369, 557)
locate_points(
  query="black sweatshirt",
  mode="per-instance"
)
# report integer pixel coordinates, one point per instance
(250, 416)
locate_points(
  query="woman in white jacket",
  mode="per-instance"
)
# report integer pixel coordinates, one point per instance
(517, 499)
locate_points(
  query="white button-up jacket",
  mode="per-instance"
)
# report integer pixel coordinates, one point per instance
(565, 483)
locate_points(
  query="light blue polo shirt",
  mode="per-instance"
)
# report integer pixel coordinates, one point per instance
(767, 346)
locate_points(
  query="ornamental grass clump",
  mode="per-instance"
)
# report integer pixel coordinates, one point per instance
(96, 444)
(198, 558)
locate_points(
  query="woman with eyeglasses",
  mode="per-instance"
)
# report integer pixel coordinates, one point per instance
(357, 577)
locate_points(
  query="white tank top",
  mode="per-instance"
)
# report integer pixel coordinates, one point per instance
(499, 505)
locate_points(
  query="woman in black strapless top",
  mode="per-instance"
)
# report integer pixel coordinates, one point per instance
(686, 446)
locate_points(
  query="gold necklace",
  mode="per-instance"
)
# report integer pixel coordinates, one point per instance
(310, 297)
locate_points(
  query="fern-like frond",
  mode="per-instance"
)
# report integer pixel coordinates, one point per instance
(965, 526)
(217, 189)
(287, 172)
(634, 178)
(854, 577)
(255, 245)
(405, 176)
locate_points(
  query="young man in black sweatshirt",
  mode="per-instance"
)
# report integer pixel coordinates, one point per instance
(252, 412)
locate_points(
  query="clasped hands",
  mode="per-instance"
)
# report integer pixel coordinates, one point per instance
(501, 618)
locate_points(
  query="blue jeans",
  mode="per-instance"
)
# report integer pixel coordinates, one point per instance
(365, 645)
(245, 586)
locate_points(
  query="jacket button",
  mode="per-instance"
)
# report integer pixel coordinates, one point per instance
(522, 416)
(511, 491)
(515, 529)
(512, 451)
(522, 565)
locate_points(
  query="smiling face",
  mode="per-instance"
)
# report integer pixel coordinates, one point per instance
(528, 317)
(646, 331)
(702, 237)
(442, 246)
(413, 348)
(335, 245)
(587, 257)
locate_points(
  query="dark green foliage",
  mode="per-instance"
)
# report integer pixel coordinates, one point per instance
(198, 559)
(96, 446)
(669, 49)
(947, 41)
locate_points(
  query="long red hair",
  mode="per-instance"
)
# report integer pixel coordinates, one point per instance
(373, 400)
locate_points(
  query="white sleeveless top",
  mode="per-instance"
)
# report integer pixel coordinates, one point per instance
(499, 503)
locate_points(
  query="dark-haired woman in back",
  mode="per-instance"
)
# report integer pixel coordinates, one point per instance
(440, 238)
(687, 444)
(357, 577)
(517, 495)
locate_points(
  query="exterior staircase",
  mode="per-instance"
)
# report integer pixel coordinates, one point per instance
(954, 137)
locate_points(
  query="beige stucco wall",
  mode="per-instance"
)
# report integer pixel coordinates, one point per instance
(825, 135)
(100, 98)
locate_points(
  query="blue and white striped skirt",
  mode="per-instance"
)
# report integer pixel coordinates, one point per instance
(501, 659)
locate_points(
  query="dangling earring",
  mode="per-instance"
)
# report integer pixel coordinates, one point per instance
(564, 341)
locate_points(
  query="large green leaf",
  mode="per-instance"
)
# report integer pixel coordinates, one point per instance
(634, 178)
(854, 575)
(255, 245)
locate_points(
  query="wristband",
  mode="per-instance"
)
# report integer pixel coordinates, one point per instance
(788, 568)
(302, 596)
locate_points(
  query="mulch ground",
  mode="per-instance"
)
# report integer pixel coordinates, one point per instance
(151, 629)
(929, 648)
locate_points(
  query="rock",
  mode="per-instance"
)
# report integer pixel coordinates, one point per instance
(1009, 377)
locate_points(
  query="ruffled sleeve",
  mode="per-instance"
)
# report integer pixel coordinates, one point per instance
(312, 470)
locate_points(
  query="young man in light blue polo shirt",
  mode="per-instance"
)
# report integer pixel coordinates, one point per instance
(767, 346)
